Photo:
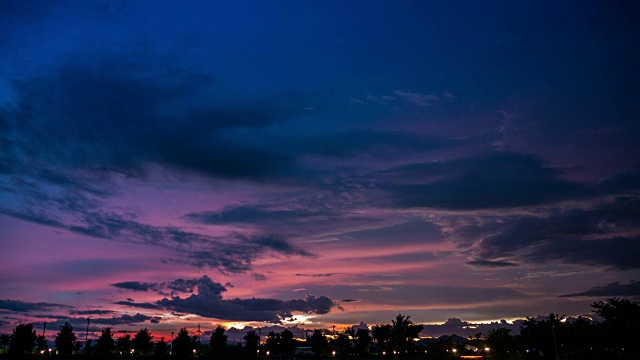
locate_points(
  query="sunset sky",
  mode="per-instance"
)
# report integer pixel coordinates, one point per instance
(316, 163)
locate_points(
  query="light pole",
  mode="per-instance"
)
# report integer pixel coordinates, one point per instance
(553, 333)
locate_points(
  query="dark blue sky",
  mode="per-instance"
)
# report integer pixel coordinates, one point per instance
(241, 162)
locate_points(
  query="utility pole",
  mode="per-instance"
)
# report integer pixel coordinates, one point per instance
(44, 327)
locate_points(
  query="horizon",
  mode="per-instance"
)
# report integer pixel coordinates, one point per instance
(316, 164)
(451, 327)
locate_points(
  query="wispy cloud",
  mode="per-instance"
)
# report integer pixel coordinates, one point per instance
(631, 289)
(24, 306)
(492, 263)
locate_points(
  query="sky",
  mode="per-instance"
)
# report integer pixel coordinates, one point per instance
(316, 163)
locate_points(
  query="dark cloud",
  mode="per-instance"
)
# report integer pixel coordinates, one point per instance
(612, 289)
(276, 244)
(349, 300)
(188, 285)
(126, 319)
(305, 212)
(143, 109)
(491, 264)
(131, 303)
(494, 181)
(251, 214)
(618, 253)
(259, 277)
(175, 286)
(136, 286)
(604, 234)
(208, 302)
(91, 312)
(23, 306)
(238, 254)
(317, 275)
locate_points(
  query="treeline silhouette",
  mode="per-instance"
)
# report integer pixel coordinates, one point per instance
(616, 336)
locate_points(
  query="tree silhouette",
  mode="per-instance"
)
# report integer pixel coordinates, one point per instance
(273, 342)
(142, 342)
(382, 336)
(500, 341)
(251, 342)
(182, 345)
(539, 336)
(104, 344)
(403, 331)
(5, 340)
(361, 341)
(622, 323)
(124, 344)
(287, 343)
(318, 342)
(88, 346)
(341, 345)
(65, 339)
(23, 340)
(161, 347)
(218, 341)
(41, 343)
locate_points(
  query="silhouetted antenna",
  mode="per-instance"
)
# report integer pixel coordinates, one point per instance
(86, 334)
(198, 332)
(44, 328)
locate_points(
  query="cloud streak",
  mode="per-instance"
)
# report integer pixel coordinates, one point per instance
(632, 289)
(23, 306)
